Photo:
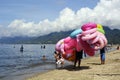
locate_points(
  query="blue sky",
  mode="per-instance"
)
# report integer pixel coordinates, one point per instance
(36, 10)
(41, 17)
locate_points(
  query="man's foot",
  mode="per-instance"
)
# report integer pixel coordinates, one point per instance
(74, 67)
(78, 66)
(102, 62)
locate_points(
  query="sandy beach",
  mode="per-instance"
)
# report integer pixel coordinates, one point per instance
(91, 69)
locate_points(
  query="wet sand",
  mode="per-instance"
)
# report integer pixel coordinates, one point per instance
(90, 69)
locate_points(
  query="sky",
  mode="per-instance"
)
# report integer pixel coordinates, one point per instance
(40, 17)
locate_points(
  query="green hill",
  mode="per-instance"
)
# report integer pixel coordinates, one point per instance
(113, 36)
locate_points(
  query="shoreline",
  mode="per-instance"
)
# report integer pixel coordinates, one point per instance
(90, 69)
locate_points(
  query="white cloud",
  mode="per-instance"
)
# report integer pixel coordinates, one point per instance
(106, 12)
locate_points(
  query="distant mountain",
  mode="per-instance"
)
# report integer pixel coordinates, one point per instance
(113, 36)
(46, 39)
(52, 38)
(14, 40)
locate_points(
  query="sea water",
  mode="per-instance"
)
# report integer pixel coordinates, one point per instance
(17, 65)
(14, 63)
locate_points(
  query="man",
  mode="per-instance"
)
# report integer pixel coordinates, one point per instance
(78, 58)
(102, 55)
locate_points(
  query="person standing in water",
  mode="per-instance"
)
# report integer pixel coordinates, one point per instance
(21, 48)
